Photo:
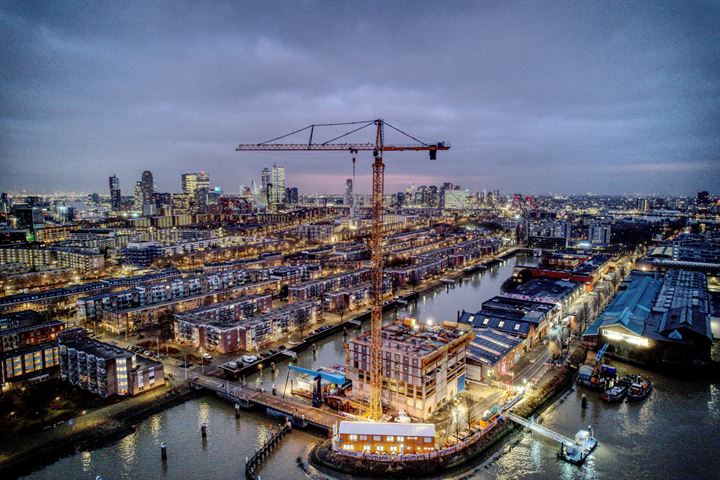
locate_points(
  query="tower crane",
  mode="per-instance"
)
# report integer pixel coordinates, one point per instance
(378, 148)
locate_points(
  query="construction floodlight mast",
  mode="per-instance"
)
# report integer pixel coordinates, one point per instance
(378, 210)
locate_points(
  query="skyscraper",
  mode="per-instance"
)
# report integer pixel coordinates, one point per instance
(138, 196)
(197, 185)
(291, 195)
(349, 192)
(277, 190)
(146, 182)
(265, 179)
(115, 196)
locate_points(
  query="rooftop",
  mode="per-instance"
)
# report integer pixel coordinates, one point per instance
(545, 287)
(631, 306)
(388, 428)
(490, 345)
(406, 335)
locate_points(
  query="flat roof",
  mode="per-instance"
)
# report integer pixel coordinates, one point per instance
(545, 287)
(387, 428)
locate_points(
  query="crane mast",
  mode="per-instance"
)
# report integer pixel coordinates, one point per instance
(378, 214)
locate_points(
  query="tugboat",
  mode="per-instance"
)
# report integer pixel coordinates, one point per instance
(615, 394)
(640, 389)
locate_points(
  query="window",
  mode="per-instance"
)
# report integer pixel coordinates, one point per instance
(486, 321)
(363, 437)
(517, 327)
(390, 438)
(428, 440)
(376, 438)
(353, 437)
(502, 322)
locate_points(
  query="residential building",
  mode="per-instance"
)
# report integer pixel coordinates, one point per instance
(600, 234)
(385, 438)
(28, 345)
(423, 367)
(104, 369)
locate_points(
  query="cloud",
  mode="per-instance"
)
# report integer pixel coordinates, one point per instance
(534, 97)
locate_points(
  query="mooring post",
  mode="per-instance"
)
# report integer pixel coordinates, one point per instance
(584, 401)
(237, 410)
(203, 430)
(163, 451)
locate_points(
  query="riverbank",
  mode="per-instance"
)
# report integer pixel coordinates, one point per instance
(326, 460)
(67, 440)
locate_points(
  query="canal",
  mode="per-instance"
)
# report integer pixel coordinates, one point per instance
(674, 431)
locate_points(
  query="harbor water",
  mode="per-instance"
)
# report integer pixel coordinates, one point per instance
(682, 417)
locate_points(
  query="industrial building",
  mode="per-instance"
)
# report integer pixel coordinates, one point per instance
(492, 354)
(569, 266)
(526, 319)
(423, 367)
(544, 290)
(657, 318)
(105, 369)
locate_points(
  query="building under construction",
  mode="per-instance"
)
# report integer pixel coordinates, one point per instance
(423, 367)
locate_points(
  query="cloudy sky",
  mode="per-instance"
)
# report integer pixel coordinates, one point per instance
(604, 97)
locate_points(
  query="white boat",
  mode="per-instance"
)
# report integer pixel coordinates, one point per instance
(249, 358)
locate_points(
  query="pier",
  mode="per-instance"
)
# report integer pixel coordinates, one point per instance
(571, 450)
(297, 413)
(254, 463)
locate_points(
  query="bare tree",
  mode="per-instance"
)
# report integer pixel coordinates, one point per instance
(302, 320)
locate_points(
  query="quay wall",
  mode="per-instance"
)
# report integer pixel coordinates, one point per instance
(325, 459)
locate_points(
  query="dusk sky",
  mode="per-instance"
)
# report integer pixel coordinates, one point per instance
(604, 97)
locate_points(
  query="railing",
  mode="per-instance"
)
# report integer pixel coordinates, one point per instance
(253, 463)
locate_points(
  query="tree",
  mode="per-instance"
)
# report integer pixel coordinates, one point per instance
(302, 320)
(414, 279)
(341, 308)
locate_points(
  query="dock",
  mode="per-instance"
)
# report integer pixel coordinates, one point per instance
(573, 450)
(299, 414)
(253, 463)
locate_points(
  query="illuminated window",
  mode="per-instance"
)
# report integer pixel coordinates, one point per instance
(502, 322)
(390, 438)
(353, 437)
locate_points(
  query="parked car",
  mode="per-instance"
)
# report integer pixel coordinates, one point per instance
(207, 357)
(249, 358)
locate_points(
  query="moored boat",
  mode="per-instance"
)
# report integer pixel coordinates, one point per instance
(615, 394)
(640, 389)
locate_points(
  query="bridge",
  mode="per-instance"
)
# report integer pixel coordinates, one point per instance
(546, 432)
(298, 413)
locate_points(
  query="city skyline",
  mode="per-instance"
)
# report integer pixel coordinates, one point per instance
(619, 98)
